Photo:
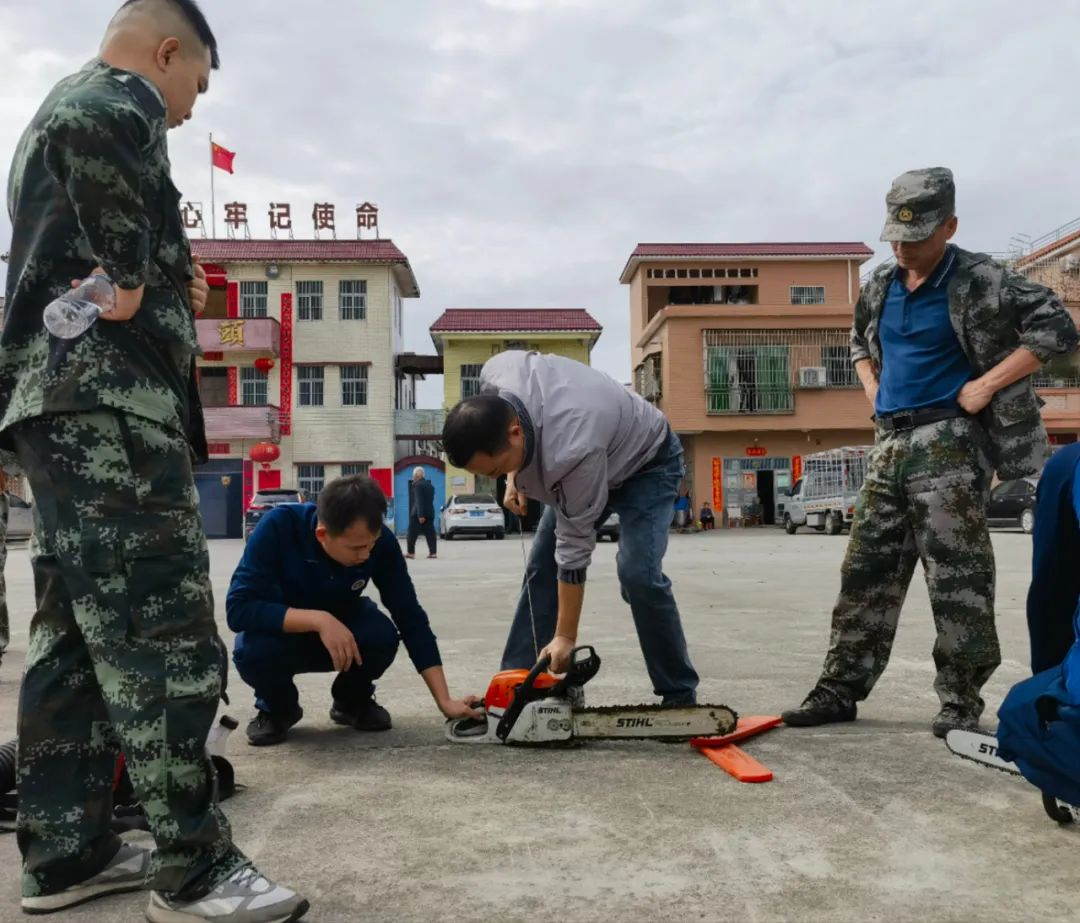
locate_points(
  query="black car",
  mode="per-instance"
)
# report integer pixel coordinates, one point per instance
(266, 500)
(1012, 503)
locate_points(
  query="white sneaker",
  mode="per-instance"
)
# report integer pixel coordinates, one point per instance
(125, 872)
(244, 897)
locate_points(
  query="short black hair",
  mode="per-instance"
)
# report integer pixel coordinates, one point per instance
(352, 499)
(189, 9)
(477, 424)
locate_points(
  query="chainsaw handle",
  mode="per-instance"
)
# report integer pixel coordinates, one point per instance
(525, 693)
(584, 665)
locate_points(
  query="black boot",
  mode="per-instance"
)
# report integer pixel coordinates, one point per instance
(954, 718)
(367, 715)
(821, 706)
(266, 729)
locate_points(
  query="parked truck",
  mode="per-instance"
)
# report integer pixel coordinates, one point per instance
(824, 497)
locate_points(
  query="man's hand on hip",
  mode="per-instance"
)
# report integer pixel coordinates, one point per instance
(975, 396)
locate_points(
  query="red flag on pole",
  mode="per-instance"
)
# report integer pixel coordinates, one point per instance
(221, 157)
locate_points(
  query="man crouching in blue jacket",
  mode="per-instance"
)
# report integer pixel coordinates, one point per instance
(297, 604)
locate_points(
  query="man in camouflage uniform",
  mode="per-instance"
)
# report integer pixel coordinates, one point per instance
(123, 652)
(5, 623)
(945, 343)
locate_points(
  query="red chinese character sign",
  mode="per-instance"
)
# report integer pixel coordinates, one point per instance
(236, 219)
(280, 219)
(323, 217)
(718, 483)
(367, 218)
(796, 468)
(756, 451)
(191, 213)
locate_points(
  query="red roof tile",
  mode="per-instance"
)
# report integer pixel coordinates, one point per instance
(308, 251)
(297, 251)
(529, 320)
(791, 250)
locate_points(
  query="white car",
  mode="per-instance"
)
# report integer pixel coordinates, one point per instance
(472, 514)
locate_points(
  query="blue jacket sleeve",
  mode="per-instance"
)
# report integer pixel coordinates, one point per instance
(256, 600)
(395, 586)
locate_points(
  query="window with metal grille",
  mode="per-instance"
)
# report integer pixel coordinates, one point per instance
(311, 479)
(839, 371)
(350, 468)
(354, 382)
(309, 298)
(749, 379)
(253, 299)
(757, 371)
(310, 380)
(808, 294)
(470, 380)
(352, 299)
(252, 387)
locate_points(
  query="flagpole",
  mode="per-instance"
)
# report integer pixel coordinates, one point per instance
(213, 205)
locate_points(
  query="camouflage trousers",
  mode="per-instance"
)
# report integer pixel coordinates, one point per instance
(123, 655)
(5, 624)
(924, 499)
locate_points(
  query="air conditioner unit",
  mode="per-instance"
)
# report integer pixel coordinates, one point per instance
(813, 377)
(1070, 262)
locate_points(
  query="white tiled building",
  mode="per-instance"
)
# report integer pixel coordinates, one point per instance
(328, 315)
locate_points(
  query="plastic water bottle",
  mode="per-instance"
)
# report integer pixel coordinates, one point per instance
(74, 312)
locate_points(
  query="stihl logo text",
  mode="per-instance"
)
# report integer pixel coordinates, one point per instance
(634, 722)
(988, 749)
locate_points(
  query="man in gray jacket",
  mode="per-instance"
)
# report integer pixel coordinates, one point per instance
(577, 440)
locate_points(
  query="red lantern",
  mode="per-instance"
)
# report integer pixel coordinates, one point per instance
(264, 364)
(264, 453)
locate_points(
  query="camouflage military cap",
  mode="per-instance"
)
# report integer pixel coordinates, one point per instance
(918, 203)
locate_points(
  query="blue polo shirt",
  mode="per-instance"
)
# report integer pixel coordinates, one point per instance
(285, 567)
(922, 363)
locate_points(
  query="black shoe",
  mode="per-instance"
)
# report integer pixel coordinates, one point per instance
(954, 718)
(368, 715)
(265, 729)
(821, 706)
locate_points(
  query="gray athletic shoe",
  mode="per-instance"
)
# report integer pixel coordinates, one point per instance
(125, 872)
(244, 897)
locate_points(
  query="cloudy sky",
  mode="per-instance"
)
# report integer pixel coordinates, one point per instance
(519, 149)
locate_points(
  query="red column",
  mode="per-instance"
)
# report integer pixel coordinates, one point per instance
(249, 482)
(234, 386)
(232, 299)
(286, 363)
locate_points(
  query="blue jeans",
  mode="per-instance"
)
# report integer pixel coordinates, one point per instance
(644, 505)
(268, 661)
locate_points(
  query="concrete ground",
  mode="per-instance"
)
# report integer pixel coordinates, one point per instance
(868, 821)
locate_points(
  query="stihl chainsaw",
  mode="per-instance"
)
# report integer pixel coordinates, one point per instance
(533, 707)
(983, 749)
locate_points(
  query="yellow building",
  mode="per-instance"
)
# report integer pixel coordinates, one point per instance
(466, 339)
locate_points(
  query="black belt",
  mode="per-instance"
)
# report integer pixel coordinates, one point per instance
(910, 419)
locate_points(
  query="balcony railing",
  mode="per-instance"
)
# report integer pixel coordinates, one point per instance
(418, 424)
(1046, 381)
(239, 421)
(239, 334)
